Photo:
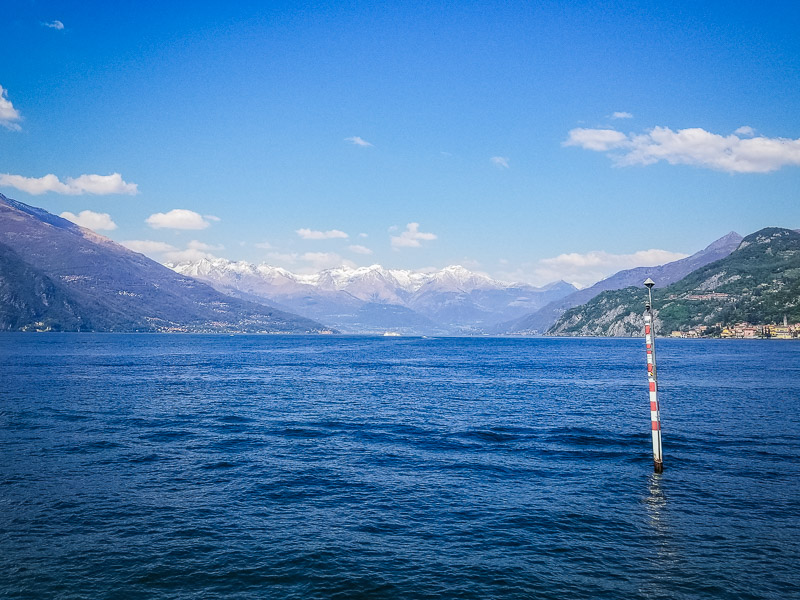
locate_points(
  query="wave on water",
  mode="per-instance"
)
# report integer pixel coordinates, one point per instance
(343, 467)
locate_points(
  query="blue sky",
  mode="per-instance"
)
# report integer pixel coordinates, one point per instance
(527, 140)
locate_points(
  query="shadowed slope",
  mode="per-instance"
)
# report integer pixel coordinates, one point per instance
(111, 288)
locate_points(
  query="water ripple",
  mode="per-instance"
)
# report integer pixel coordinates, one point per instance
(289, 467)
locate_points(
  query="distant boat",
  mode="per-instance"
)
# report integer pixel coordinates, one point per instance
(390, 334)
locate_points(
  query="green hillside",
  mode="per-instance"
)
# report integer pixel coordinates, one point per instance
(759, 283)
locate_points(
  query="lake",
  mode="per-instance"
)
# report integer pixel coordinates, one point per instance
(180, 466)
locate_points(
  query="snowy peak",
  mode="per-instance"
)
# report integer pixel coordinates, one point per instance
(358, 300)
(376, 283)
(243, 276)
(373, 284)
(205, 267)
(362, 282)
(456, 278)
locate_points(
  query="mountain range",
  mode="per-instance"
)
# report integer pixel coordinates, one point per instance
(55, 275)
(541, 320)
(373, 299)
(759, 282)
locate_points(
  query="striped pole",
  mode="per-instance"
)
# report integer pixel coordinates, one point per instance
(652, 378)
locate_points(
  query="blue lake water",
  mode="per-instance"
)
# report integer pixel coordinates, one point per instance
(157, 466)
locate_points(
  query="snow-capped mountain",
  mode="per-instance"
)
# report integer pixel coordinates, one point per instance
(374, 299)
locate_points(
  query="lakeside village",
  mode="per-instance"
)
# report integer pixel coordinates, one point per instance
(743, 331)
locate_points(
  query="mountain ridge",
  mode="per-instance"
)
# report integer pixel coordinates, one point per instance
(541, 320)
(452, 300)
(102, 286)
(758, 282)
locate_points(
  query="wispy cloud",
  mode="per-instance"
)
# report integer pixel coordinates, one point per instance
(194, 251)
(359, 249)
(694, 146)
(9, 116)
(746, 131)
(311, 234)
(100, 185)
(308, 262)
(318, 261)
(167, 253)
(54, 25)
(500, 161)
(600, 140)
(198, 245)
(588, 268)
(91, 220)
(148, 246)
(412, 237)
(621, 115)
(263, 245)
(357, 141)
(283, 258)
(178, 218)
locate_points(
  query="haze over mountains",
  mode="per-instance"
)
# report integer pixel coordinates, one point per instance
(373, 299)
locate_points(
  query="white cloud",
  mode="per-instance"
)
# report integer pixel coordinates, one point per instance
(148, 246)
(621, 115)
(198, 245)
(195, 250)
(91, 220)
(177, 218)
(263, 245)
(357, 141)
(310, 234)
(324, 260)
(283, 257)
(309, 262)
(9, 116)
(746, 131)
(359, 249)
(54, 25)
(167, 253)
(600, 140)
(412, 237)
(693, 146)
(472, 264)
(99, 185)
(586, 269)
(500, 161)
(363, 235)
(184, 256)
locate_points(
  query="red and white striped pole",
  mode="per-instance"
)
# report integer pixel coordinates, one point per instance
(652, 378)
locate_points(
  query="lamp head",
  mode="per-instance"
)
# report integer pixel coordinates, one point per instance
(649, 283)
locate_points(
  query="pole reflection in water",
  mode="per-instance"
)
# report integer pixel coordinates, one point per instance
(665, 558)
(664, 554)
(656, 503)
